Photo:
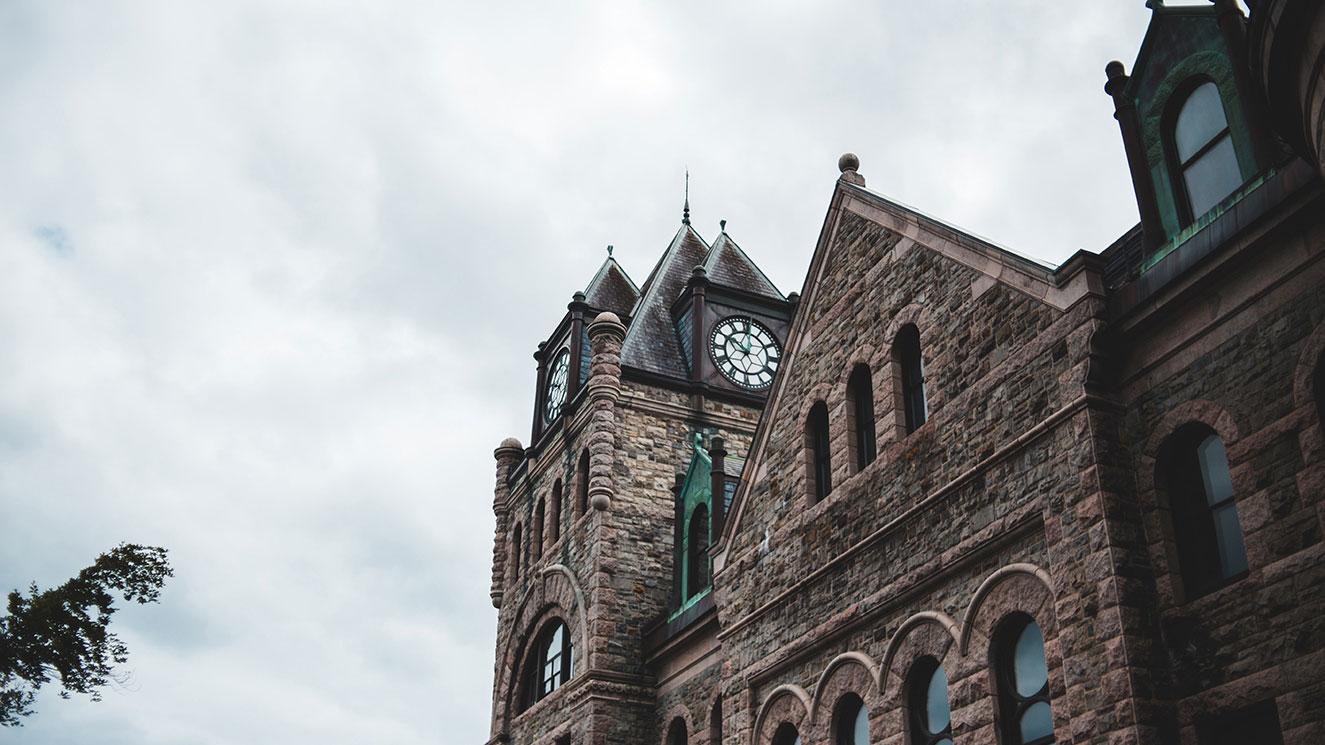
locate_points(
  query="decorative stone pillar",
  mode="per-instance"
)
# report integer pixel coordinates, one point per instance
(605, 336)
(508, 455)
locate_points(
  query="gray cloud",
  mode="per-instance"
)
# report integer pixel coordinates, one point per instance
(271, 275)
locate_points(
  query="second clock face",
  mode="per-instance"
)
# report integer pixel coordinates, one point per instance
(745, 351)
(556, 386)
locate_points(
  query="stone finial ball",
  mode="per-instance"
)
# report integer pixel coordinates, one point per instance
(848, 162)
(510, 443)
(607, 316)
(600, 502)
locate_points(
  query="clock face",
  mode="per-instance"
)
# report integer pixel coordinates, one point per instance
(556, 386)
(745, 351)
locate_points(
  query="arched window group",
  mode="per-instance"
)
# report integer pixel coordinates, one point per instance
(550, 664)
(817, 442)
(1203, 155)
(1207, 531)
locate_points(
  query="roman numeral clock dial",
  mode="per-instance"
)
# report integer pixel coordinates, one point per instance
(745, 351)
(556, 386)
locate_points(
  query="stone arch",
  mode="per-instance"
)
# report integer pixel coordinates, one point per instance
(678, 714)
(555, 593)
(1015, 587)
(854, 672)
(1198, 411)
(925, 633)
(786, 703)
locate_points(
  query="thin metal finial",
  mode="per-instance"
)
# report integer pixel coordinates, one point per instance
(722, 225)
(609, 250)
(685, 211)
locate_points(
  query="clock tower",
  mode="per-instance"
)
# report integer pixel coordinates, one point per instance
(639, 390)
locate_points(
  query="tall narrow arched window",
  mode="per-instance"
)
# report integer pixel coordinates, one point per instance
(786, 734)
(851, 721)
(697, 562)
(715, 723)
(930, 719)
(554, 516)
(1203, 152)
(816, 442)
(1206, 527)
(582, 484)
(536, 537)
(906, 353)
(517, 550)
(860, 397)
(550, 664)
(1022, 681)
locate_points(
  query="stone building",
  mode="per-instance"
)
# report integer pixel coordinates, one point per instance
(949, 494)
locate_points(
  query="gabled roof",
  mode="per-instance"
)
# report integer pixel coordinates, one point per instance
(612, 289)
(1059, 288)
(651, 342)
(727, 265)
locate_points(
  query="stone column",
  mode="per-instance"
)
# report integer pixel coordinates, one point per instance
(508, 455)
(605, 335)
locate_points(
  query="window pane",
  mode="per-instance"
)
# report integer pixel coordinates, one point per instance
(1212, 177)
(937, 713)
(1228, 535)
(1201, 118)
(1037, 722)
(861, 732)
(1214, 470)
(1028, 665)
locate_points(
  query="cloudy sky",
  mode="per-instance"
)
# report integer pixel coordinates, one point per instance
(271, 274)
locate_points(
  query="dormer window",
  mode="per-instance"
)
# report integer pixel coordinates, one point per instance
(1203, 149)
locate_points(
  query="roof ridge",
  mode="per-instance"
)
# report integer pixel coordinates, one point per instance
(710, 261)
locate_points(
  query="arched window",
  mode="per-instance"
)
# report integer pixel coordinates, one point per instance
(1022, 680)
(1206, 528)
(554, 516)
(676, 733)
(860, 396)
(930, 717)
(715, 723)
(851, 721)
(536, 537)
(786, 734)
(816, 440)
(517, 550)
(551, 663)
(582, 484)
(1203, 152)
(697, 563)
(906, 353)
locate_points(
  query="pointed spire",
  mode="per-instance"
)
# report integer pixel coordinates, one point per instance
(685, 211)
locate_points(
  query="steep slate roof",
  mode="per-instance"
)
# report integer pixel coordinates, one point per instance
(651, 342)
(728, 265)
(612, 289)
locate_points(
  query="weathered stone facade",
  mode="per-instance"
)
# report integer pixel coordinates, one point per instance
(1041, 486)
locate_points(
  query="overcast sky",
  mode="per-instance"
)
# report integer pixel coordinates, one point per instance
(271, 275)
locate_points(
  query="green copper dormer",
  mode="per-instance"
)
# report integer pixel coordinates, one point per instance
(1190, 122)
(699, 518)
